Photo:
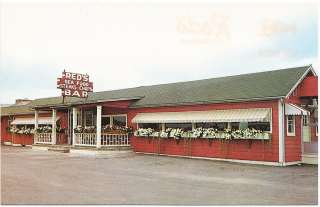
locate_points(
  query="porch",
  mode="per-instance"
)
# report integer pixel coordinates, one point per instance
(87, 126)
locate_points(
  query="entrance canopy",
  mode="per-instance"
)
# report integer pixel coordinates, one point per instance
(30, 121)
(233, 115)
(292, 109)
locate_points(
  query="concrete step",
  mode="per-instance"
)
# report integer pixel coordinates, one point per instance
(104, 148)
(59, 148)
(310, 159)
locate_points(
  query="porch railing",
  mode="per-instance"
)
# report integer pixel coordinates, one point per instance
(115, 140)
(43, 138)
(85, 139)
(90, 139)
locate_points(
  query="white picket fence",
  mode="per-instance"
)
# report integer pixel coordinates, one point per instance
(43, 138)
(115, 140)
(90, 139)
(85, 139)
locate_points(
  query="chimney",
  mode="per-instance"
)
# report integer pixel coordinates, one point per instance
(22, 101)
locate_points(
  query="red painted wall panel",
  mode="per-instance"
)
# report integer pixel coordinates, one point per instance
(293, 143)
(236, 149)
(309, 86)
(28, 139)
(5, 136)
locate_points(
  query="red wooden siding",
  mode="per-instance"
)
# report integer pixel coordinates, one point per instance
(309, 86)
(28, 139)
(236, 149)
(293, 143)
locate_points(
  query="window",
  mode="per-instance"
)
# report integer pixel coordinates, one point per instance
(220, 126)
(155, 126)
(305, 120)
(290, 125)
(263, 126)
(234, 125)
(119, 121)
(88, 118)
(184, 126)
(105, 120)
(114, 120)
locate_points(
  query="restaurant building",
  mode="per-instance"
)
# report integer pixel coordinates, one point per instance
(263, 118)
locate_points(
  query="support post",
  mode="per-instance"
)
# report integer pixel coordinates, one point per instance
(74, 124)
(99, 109)
(281, 117)
(36, 124)
(54, 126)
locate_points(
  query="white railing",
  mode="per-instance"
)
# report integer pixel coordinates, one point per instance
(43, 138)
(115, 140)
(85, 139)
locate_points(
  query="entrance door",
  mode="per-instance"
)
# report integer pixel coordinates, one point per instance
(306, 130)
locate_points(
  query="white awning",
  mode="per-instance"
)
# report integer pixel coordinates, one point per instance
(233, 115)
(30, 121)
(292, 109)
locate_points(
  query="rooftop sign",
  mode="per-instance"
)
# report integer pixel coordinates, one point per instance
(74, 84)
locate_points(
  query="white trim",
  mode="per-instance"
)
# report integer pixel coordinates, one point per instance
(301, 79)
(291, 163)
(291, 134)
(271, 118)
(281, 131)
(54, 126)
(98, 126)
(301, 132)
(253, 162)
(7, 143)
(74, 124)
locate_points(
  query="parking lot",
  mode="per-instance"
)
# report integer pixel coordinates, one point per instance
(41, 177)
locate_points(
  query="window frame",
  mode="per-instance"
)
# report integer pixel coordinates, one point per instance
(291, 134)
(113, 115)
(305, 120)
(85, 117)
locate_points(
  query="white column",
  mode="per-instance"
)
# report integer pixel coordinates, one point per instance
(99, 126)
(36, 116)
(74, 124)
(54, 126)
(281, 117)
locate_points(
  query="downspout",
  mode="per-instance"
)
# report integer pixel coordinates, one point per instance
(281, 114)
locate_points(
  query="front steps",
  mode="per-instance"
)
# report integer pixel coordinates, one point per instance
(103, 148)
(103, 152)
(59, 148)
(310, 159)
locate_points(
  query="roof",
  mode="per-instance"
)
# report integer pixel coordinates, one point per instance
(15, 110)
(255, 86)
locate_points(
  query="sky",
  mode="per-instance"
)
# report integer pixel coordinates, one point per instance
(123, 44)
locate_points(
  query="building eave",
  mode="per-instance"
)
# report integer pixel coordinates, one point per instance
(209, 102)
